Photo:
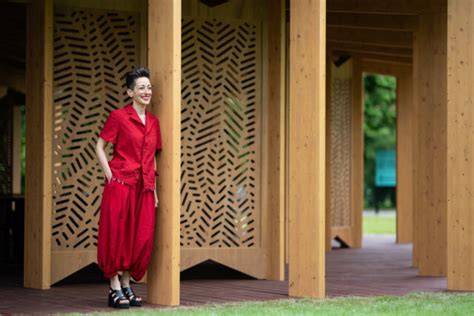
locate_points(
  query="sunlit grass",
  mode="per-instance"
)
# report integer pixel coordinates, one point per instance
(412, 304)
(379, 224)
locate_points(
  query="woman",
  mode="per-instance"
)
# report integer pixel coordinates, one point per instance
(127, 216)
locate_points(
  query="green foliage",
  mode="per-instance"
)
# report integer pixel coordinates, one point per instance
(379, 126)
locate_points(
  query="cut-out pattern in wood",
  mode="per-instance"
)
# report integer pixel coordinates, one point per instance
(220, 134)
(93, 50)
(340, 160)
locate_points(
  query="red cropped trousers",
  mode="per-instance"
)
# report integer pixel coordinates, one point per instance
(126, 228)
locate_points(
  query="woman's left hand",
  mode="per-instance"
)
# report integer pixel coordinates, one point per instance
(156, 199)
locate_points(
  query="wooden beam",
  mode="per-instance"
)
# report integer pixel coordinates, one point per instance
(307, 148)
(387, 22)
(460, 146)
(431, 68)
(276, 138)
(362, 48)
(164, 60)
(357, 163)
(39, 99)
(370, 37)
(378, 58)
(401, 7)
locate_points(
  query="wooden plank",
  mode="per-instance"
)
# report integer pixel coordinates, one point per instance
(307, 148)
(386, 22)
(415, 157)
(329, 95)
(344, 234)
(37, 261)
(402, 7)
(404, 156)
(432, 173)
(276, 138)
(357, 166)
(460, 146)
(377, 57)
(164, 60)
(371, 37)
(363, 48)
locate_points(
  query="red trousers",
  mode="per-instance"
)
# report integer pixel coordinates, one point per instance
(126, 228)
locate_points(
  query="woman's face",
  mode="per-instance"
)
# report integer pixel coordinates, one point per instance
(141, 93)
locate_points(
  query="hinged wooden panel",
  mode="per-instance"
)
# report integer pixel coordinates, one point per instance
(93, 50)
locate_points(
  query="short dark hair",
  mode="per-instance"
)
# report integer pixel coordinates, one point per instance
(136, 73)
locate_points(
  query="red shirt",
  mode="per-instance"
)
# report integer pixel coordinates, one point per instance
(135, 145)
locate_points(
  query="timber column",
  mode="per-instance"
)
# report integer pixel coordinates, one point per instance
(431, 96)
(164, 61)
(39, 132)
(307, 148)
(460, 145)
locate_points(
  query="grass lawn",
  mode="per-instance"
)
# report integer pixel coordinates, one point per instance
(379, 224)
(412, 304)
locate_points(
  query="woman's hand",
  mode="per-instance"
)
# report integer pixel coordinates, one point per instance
(156, 199)
(108, 174)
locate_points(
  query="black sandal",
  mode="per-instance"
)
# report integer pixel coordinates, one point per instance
(132, 298)
(117, 299)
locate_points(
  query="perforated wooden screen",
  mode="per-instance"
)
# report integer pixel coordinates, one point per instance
(221, 134)
(93, 50)
(340, 120)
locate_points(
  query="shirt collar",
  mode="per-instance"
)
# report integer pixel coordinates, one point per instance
(134, 115)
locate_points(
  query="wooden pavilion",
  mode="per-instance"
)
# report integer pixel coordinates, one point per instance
(261, 110)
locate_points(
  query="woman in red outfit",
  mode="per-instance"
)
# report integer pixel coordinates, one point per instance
(127, 215)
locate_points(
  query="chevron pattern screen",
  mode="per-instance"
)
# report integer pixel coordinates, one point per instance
(340, 141)
(220, 134)
(93, 50)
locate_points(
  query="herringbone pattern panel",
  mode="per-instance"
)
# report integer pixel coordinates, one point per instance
(93, 50)
(340, 142)
(220, 130)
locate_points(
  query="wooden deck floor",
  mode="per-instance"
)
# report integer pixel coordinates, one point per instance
(380, 268)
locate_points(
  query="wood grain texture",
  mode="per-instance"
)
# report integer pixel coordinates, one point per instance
(275, 116)
(404, 147)
(357, 167)
(164, 31)
(307, 148)
(432, 144)
(460, 146)
(37, 261)
(79, 112)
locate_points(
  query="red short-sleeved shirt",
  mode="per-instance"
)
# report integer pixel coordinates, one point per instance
(135, 145)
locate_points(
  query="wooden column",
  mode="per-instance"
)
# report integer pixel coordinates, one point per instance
(164, 61)
(37, 262)
(276, 138)
(357, 165)
(431, 68)
(307, 148)
(404, 156)
(460, 145)
(16, 180)
(329, 96)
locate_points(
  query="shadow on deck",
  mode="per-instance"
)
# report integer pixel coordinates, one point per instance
(380, 268)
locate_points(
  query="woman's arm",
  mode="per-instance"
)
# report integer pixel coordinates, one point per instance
(156, 196)
(99, 150)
